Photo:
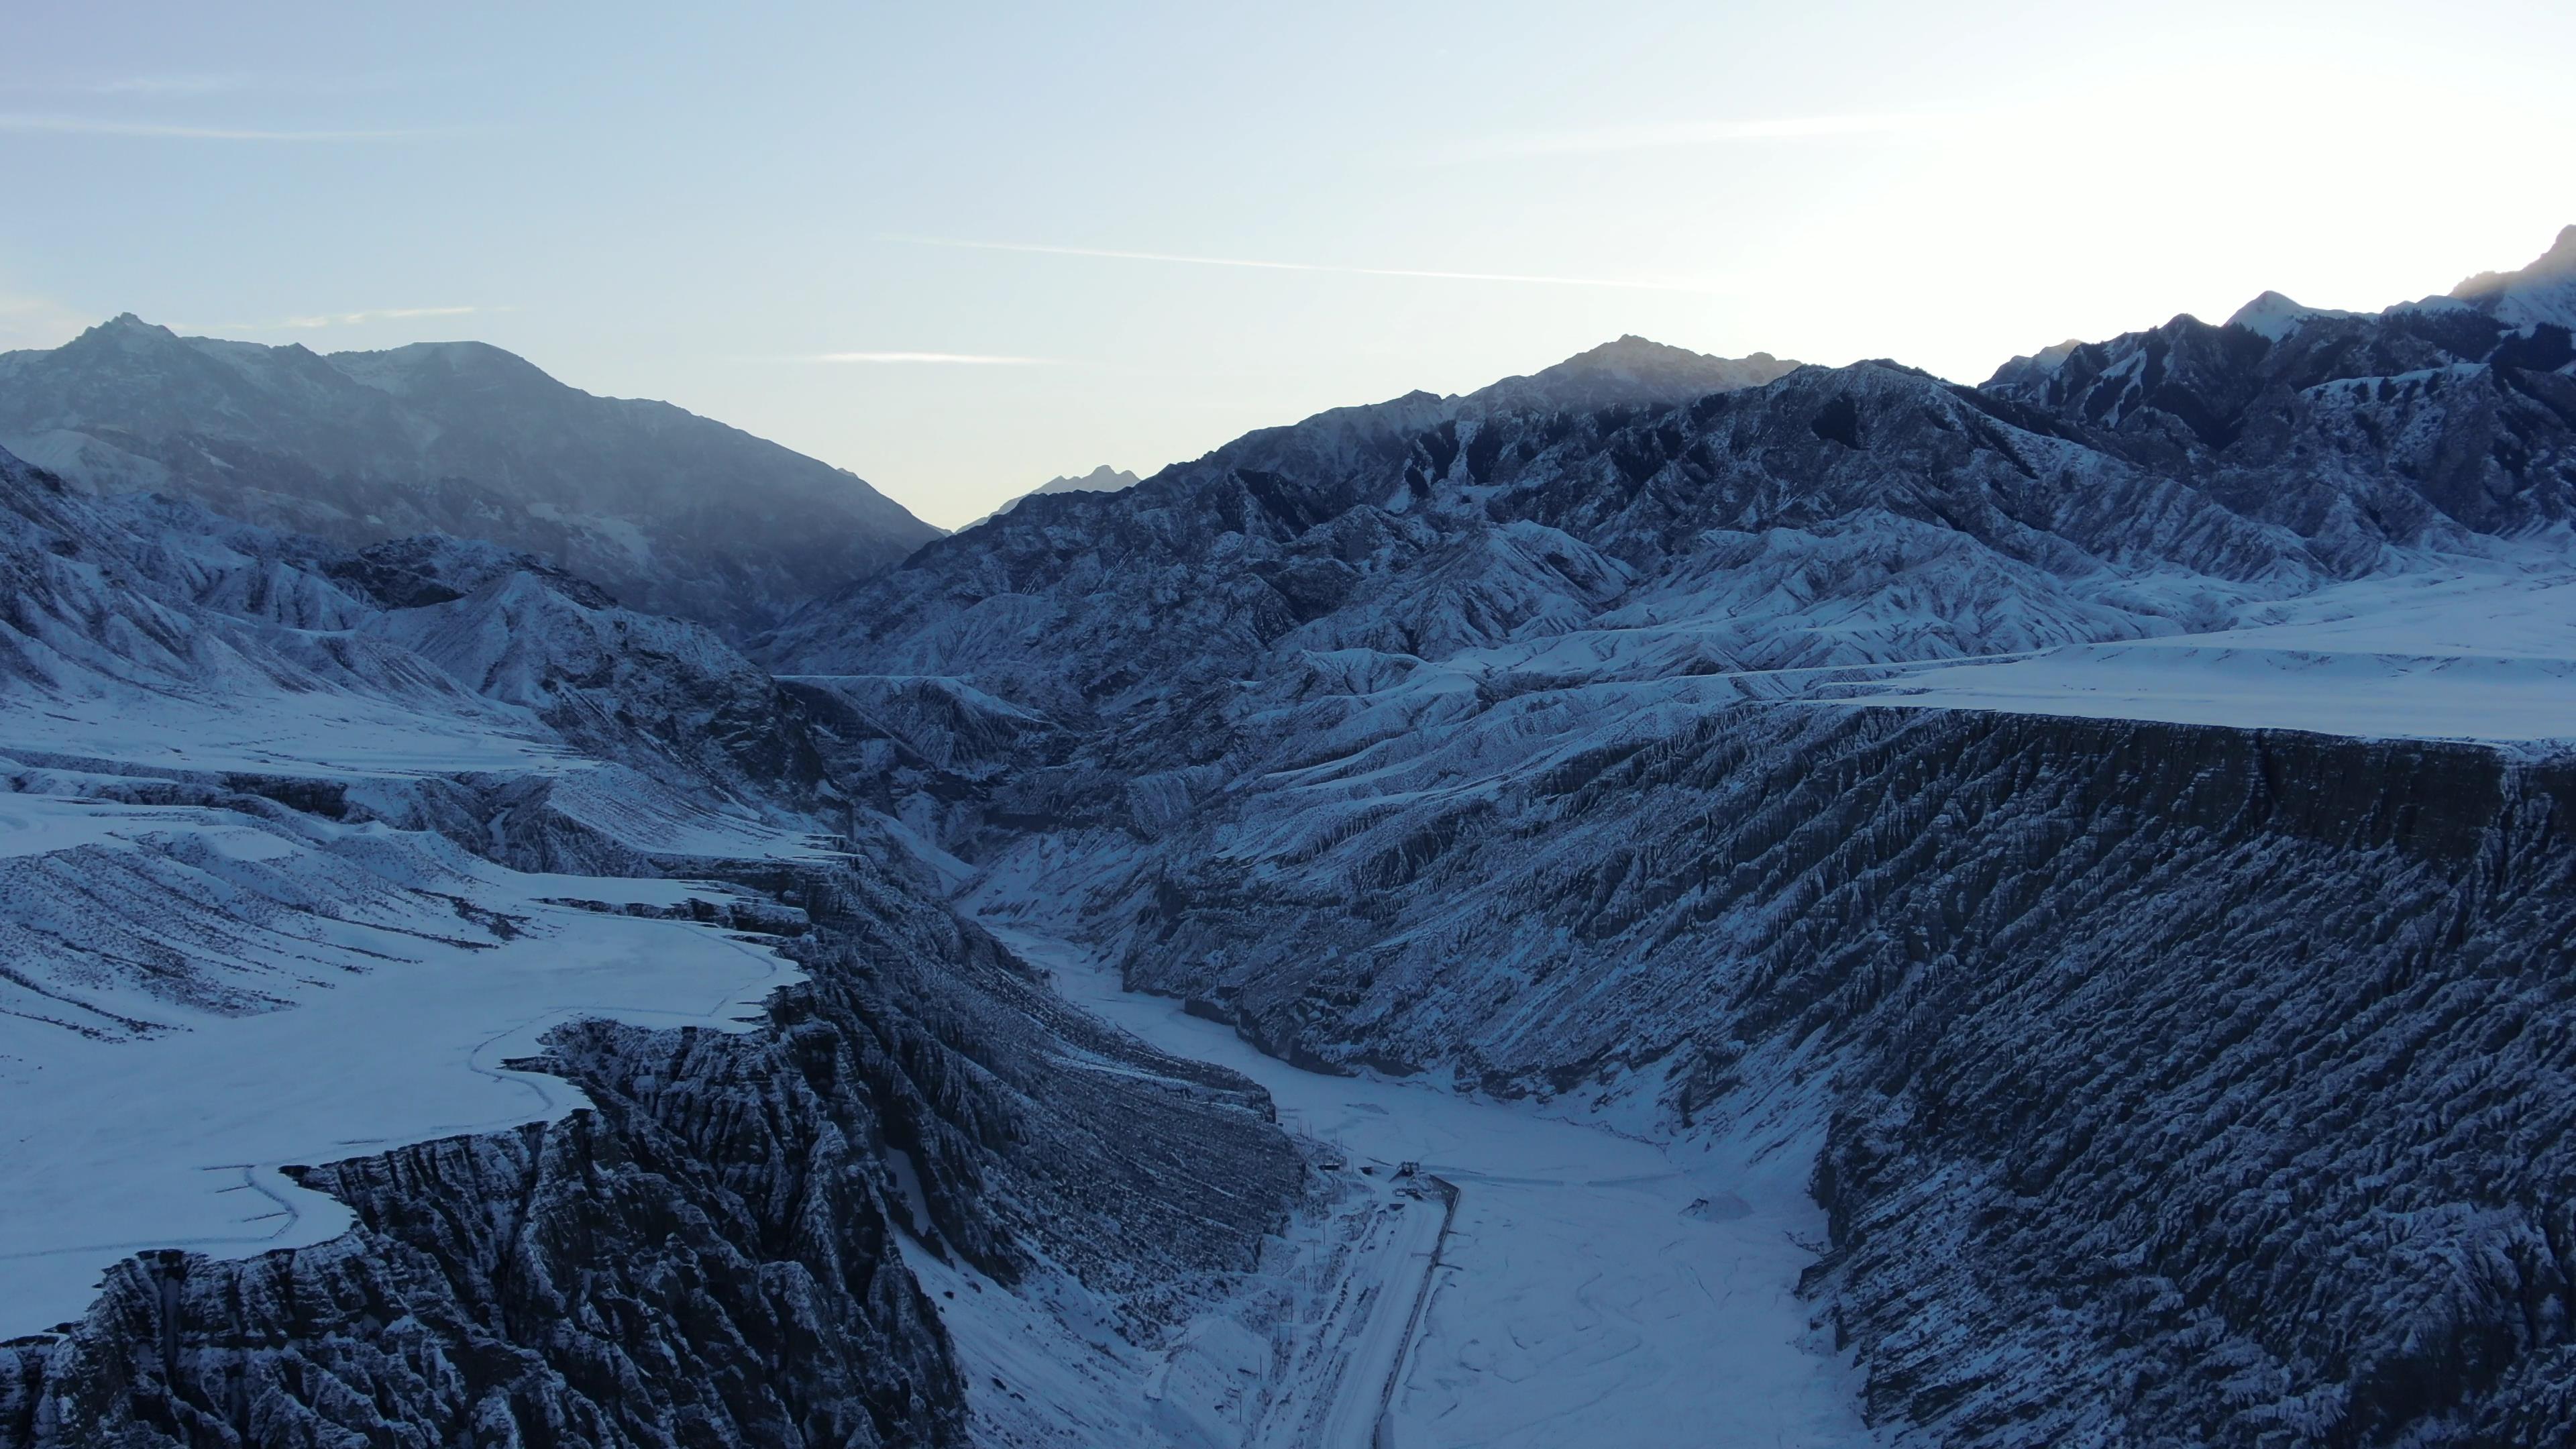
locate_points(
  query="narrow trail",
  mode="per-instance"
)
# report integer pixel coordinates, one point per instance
(1575, 1288)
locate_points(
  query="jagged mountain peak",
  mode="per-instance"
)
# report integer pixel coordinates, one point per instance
(124, 323)
(1629, 351)
(2275, 316)
(2540, 294)
(1103, 479)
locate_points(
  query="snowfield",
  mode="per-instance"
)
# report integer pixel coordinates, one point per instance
(2444, 654)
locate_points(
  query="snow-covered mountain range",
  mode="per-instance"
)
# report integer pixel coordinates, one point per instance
(671, 512)
(1818, 905)
(2127, 790)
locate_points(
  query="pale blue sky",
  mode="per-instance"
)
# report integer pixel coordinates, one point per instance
(705, 203)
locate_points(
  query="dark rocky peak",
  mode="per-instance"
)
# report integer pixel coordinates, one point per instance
(2307, 345)
(2186, 367)
(2188, 386)
(2027, 375)
(125, 332)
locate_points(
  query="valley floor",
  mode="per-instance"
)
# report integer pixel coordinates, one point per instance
(1594, 1283)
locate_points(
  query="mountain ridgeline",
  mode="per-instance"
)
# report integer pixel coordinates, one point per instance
(671, 512)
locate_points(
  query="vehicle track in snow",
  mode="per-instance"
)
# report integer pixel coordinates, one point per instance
(1382, 1435)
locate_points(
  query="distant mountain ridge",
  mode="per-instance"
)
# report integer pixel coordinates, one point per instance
(1632, 370)
(1384, 442)
(1103, 479)
(672, 512)
(2541, 293)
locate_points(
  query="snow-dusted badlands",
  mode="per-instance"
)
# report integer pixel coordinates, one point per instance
(1666, 901)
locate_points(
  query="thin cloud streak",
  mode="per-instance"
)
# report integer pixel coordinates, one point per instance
(155, 130)
(966, 359)
(1270, 266)
(1686, 133)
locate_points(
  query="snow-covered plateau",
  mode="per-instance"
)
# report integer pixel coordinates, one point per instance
(2459, 652)
(1670, 900)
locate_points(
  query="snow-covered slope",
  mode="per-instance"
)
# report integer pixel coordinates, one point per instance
(674, 513)
(2542, 294)
(2466, 653)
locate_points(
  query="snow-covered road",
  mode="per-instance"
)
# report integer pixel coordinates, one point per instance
(1598, 1288)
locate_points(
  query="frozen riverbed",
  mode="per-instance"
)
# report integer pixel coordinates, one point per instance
(1596, 1288)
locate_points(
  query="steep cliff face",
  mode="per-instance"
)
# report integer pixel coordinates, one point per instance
(2263, 1138)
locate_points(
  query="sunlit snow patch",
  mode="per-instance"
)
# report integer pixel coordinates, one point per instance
(2453, 656)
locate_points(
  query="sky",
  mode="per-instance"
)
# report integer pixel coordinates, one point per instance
(960, 249)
